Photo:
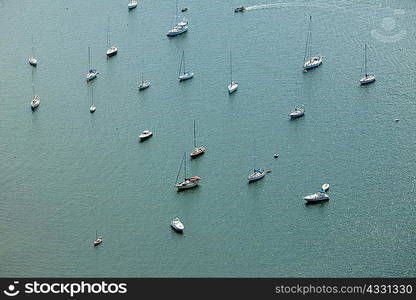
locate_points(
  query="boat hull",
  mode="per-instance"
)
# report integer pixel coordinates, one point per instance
(232, 88)
(296, 115)
(33, 61)
(367, 80)
(311, 64)
(91, 75)
(92, 109)
(197, 152)
(257, 177)
(316, 201)
(176, 32)
(186, 76)
(143, 138)
(111, 53)
(143, 86)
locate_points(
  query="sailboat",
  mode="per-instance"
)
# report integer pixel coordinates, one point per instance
(368, 78)
(143, 84)
(112, 50)
(257, 173)
(36, 99)
(298, 112)
(197, 150)
(233, 86)
(98, 240)
(32, 60)
(185, 75)
(92, 107)
(187, 183)
(132, 4)
(309, 61)
(92, 73)
(180, 27)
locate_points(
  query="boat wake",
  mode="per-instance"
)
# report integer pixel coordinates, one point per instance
(286, 4)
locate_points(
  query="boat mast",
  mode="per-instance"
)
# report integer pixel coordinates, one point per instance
(92, 95)
(365, 60)
(89, 59)
(194, 136)
(142, 77)
(33, 51)
(231, 68)
(180, 167)
(184, 159)
(180, 66)
(308, 40)
(176, 12)
(108, 32)
(183, 54)
(33, 86)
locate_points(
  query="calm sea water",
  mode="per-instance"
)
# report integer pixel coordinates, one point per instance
(67, 173)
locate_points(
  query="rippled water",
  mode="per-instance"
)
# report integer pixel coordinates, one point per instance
(67, 173)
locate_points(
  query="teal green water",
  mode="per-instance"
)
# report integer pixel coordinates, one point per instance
(67, 173)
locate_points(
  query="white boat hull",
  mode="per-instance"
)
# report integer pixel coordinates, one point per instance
(132, 4)
(256, 176)
(295, 115)
(197, 152)
(144, 85)
(92, 109)
(144, 137)
(232, 87)
(186, 76)
(33, 61)
(367, 79)
(318, 197)
(177, 30)
(35, 102)
(91, 75)
(313, 63)
(112, 51)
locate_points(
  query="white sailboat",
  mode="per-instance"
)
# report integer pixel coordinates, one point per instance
(32, 60)
(92, 73)
(180, 27)
(309, 61)
(297, 112)
(187, 183)
(233, 86)
(368, 78)
(112, 50)
(36, 99)
(132, 4)
(197, 150)
(92, 107)
(143, 84)
(185, 75)
(145, 135)
(257, 173)
(317, 197)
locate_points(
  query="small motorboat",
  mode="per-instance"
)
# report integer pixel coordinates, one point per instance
(312, 63)
(232, 87)
(197, 152)
(325, 187)
(298, 112)
(367, 79)
(33, 61)
(132, 4)
(92, 73)
(35, 102)
(276, 155)
(112, 51)
(177, 225)
(188, 183)
(143, 85)
(256, 175)
(145, 135)
(240, 9)
(397, 120)
(185, 76)
(98, 240)
(184, 9)
(317, 197)
(92, 108)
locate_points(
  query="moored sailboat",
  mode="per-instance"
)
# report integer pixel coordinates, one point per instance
(112, 50)
(197, 150)
(143, 84)
(186, 74)
(92, 73)
(310, 61)
(368, 78)
(187, 183)
(233, 86)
